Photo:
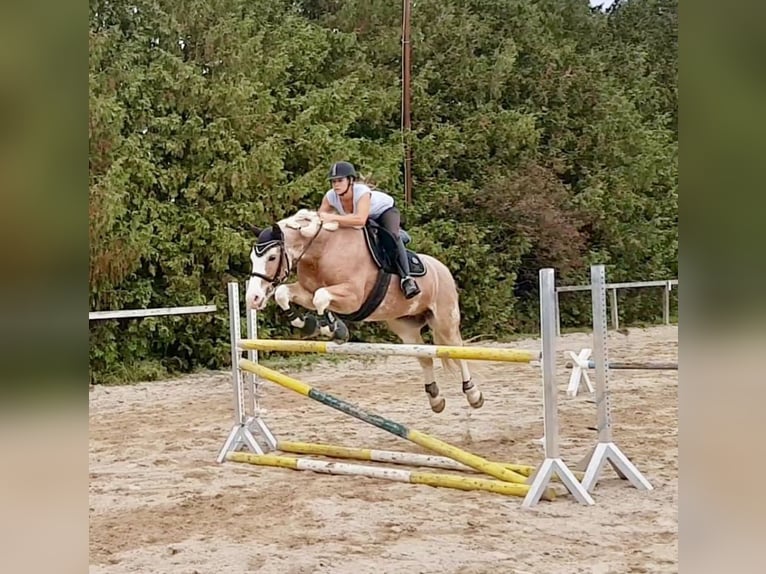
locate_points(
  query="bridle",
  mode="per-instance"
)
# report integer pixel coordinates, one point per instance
(284, 260)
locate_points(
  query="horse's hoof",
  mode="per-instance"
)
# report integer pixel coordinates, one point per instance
(310, 327)
(476, 403)
(438, 406)
(473, 394)
(340, 333)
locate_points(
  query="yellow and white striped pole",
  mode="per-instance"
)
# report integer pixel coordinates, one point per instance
(384, 349)
(392, 457)
(398, 475)
(388, 456)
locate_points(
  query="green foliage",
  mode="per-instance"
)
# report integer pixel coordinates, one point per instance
(544, 134)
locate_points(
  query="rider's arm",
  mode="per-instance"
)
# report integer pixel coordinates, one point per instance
(357, 219)
(325, 207)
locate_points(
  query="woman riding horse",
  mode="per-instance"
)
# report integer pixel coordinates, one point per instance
(351, 204)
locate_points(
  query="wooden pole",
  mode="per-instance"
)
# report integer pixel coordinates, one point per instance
(615, 313)
(406, 99)
(635, 366)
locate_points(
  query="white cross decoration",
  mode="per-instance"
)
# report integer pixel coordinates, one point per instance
(580, 366)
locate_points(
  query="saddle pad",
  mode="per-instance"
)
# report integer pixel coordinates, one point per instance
(385, 260)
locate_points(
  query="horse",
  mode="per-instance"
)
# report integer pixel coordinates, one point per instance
(343, 273)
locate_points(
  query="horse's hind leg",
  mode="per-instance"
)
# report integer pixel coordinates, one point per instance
(408, 330)
(446, 331)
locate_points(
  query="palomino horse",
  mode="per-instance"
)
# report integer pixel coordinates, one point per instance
(336, 275)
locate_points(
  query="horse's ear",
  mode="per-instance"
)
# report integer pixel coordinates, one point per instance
(256, 230)
(276, 231)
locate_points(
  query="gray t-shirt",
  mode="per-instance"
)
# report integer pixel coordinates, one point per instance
(379, 202)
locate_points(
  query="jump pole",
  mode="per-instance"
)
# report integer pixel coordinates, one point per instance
(395, 474)
(581, 363)
(392, 457)
(579, 372)
(388, 456)
(383, 349)
(633, 366)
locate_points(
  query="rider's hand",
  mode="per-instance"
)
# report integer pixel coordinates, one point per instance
(327, 217)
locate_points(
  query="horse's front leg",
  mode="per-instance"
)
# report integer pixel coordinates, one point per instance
(344, 299)
(296, 293)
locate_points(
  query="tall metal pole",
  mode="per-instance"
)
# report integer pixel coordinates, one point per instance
(406, 97)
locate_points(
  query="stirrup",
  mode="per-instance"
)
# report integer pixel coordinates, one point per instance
(409, 287)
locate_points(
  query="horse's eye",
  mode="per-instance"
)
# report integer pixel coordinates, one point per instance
(272, 257)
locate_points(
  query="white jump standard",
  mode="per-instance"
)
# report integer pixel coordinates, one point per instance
(605, 450)
(552, 466)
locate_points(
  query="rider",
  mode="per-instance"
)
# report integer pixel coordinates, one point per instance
(351, 204)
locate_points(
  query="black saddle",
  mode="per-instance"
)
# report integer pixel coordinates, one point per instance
(383, 250)
(382, 247)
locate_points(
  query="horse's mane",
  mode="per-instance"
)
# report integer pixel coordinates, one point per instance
(308, 222)
(368, 181)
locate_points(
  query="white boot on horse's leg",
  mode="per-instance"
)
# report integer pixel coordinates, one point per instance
(322, 300)
(473, 394)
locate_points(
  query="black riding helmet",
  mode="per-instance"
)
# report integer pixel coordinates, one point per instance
(342, 169)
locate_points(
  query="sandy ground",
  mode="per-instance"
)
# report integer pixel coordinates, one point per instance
(159, 503)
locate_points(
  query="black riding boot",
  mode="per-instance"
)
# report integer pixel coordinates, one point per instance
(409, 287)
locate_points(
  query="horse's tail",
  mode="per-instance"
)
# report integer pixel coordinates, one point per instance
(446, 327)
(450, 365)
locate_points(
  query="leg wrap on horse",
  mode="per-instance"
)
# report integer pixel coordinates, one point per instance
(293, 317)
(307, 324)
(331, 326)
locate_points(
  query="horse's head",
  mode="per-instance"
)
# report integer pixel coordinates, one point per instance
(278, 250)
(270, 266)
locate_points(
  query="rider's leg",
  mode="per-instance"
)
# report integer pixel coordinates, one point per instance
(390, 220)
